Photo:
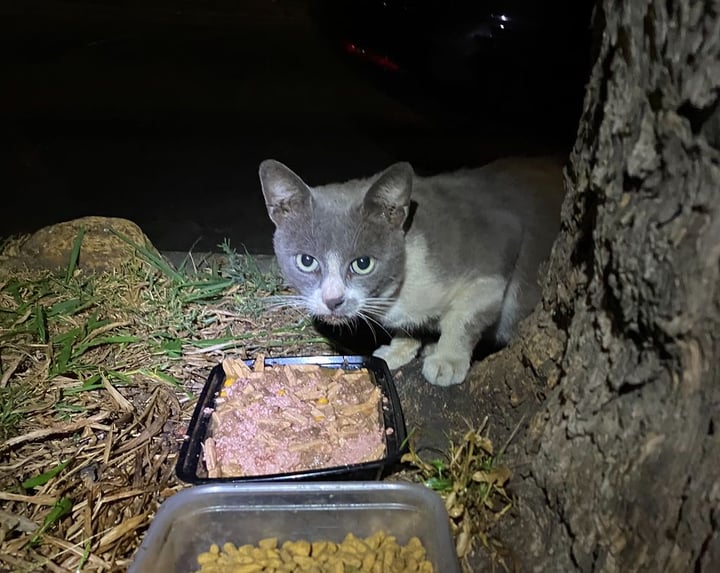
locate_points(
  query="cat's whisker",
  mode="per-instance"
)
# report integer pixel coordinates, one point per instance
(372, 329)
(372, 323)
(377, 306)
(383, 299)
(294, 304)
(286, 301)
(369, 318)
(378, 310)
(350, 324)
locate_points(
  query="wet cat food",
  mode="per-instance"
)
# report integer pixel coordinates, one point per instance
(289, 418)
(223, 392)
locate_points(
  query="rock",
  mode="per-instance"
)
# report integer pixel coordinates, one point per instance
(101, 250)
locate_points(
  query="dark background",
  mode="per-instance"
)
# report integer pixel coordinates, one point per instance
(160, 112)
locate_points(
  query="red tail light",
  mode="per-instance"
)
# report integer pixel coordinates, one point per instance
(373, 57)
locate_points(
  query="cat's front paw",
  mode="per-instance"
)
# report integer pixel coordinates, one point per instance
(445, 370)
(399, 352)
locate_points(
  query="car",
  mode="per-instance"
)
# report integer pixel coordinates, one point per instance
(497, 49)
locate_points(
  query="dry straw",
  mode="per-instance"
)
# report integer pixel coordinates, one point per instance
(98, 378)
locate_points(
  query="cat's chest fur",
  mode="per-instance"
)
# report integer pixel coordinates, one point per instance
(423, 296)
(426, 294)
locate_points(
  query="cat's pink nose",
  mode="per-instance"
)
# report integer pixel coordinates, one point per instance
(334, 302)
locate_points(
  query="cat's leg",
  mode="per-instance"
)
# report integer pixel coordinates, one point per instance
(461, 328)
(449, 361)
(400, 351)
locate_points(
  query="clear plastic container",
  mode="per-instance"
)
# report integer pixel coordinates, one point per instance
(193, 519)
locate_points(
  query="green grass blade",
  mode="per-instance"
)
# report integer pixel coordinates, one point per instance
(94, 382)
(113, 339)
(62, 507)
(162, 376)
(69, 307)
(66, 410)
(15, 289)
(100, 340)
(67, 341)
(167, 378)
(119, 376)
(156, 261)
(41, 323)
(44, 477)
(93, 323)
(172, 347)
(437, 484)
(85, 556)
(74, 255)
(207, 291)
(208, 342)
(13, 398)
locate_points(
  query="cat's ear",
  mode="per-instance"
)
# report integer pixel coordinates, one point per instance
(284, 191)
(389, 196)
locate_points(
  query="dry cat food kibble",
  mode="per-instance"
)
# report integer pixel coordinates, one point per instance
(379, 553)
(287, 418)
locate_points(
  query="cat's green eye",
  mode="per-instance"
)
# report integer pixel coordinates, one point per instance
(363, 265)
(306, 263)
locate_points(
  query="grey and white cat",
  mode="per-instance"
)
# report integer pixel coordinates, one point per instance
(456, 253)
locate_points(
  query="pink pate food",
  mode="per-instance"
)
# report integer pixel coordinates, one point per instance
(280, 419)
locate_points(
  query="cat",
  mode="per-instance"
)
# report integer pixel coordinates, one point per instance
(456, 253)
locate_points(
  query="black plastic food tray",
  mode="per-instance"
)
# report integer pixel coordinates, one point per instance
(191, 468)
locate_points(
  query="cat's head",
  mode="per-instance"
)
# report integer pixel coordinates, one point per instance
(341, 246)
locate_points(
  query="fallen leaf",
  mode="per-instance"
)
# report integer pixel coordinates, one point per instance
(496, 476)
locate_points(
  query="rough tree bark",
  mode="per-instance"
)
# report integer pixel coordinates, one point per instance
(620, 468)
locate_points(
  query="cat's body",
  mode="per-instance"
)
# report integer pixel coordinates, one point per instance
(457, 253)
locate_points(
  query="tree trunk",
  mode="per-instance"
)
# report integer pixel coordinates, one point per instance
(620, 468)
